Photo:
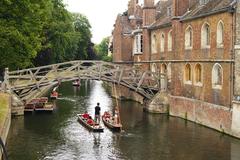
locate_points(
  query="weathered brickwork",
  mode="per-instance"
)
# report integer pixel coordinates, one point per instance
(214, 116)
(201, 58)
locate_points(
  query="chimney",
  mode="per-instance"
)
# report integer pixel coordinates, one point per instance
(180, 7)
(149, 12)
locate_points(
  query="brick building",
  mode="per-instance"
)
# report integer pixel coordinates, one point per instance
(196, 43)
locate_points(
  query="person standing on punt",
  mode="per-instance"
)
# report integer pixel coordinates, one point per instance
(97, 113)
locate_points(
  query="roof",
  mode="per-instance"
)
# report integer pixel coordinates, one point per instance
(162, 19)
(213, 6)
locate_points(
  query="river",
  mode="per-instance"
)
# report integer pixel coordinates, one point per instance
(58, 135)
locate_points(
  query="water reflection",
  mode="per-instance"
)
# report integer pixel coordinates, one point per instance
(59, 136)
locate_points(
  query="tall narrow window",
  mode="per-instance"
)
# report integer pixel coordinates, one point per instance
(138, 44)
(188, 38)
(198, 74)
(217, 76)
(220, 32)
(205, 36)
(164, 68)
(170, 41)
(154, 46)
(188, 73)
(169, 72)
(163, 75)
(162, 42)
(153, 69)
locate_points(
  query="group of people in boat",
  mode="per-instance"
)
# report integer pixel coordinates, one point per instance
(111, 119)
(89, 119)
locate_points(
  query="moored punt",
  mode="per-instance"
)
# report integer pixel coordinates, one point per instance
(46, 108)
(39, 104)
(76, 83)
(29, 107)
(110, 123)
(54, 95)
(94, 128)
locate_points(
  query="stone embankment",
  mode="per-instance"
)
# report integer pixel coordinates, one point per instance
(220, 118)
(5, 116)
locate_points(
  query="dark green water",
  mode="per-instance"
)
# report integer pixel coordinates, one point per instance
(58, 136)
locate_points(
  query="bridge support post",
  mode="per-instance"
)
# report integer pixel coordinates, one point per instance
(6, 80)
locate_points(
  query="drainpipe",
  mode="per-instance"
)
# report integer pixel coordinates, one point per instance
(233, 58)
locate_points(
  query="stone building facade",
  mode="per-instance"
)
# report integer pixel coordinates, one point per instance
(196, 43)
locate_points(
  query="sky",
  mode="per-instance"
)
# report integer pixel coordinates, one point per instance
(100, 13)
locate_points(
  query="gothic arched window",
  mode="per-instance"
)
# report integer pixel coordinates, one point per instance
(188, 38)
(220, 34)
(205, 36)
(217, 76)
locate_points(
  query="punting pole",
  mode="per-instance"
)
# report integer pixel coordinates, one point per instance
(115, 90)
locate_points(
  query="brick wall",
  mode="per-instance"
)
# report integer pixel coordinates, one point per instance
(213, 116)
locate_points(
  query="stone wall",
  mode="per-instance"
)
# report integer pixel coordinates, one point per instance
(125, 93)
(236, 119)
(207, 114)
(6, 121)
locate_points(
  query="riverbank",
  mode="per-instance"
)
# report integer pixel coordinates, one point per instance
(5, 115)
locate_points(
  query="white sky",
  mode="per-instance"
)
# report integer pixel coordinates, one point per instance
(100, 13)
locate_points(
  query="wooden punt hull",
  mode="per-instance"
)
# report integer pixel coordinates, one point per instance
(76, 84)
(113, 127)
(53, 97)
(91, 128)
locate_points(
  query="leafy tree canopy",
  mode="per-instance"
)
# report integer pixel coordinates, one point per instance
(40, 32)
(102, 50)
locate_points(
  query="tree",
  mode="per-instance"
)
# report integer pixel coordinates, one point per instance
(60, 38)
(41, 32)
(102, 50)
(85, 46)
(20, 31)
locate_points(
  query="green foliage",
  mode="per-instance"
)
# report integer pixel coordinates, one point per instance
(82, 27)
(102, 50)
(40, 32)
(20, 31)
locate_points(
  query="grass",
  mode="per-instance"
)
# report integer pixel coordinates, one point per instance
(4, 103)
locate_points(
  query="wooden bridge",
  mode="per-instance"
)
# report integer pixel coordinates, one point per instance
(24, 82)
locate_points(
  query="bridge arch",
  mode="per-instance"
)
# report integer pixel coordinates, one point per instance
(24, 82)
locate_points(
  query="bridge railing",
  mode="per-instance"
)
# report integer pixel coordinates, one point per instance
(23, 82)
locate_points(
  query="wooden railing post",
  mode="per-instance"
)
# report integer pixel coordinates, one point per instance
(6, 80)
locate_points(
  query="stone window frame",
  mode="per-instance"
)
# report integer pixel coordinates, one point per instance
(220, 34)
(189, 38)
(162, 42)
(217, 82)
(205, 36)
(165, 68)
(187, 74)
(170, 44)
(138, 43)
(198, 75)
(154, 68)
(169, 72)
(154, 43)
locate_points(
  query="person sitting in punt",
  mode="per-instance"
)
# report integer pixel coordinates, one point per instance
(116, 118)
(90, 121)
(85, 115)
(106, 115)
